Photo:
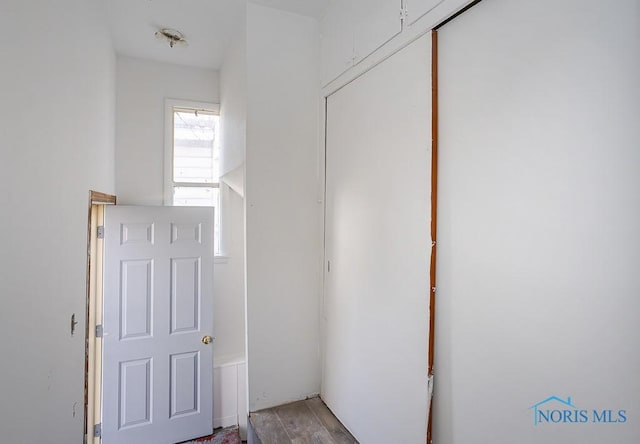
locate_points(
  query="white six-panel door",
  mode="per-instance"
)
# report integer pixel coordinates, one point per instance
(158, 307)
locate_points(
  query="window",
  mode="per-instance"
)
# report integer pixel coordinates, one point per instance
(192, 155)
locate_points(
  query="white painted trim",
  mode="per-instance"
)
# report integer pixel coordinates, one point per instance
(410, 33)
(226, 421)
(229, 362)
(231, 403)
(196, 185)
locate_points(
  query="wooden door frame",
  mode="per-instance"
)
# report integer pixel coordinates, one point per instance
(434, 222)
(97, 201)
(434, 206)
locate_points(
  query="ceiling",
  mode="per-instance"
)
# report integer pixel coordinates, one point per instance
(313, 8)
(208, 25)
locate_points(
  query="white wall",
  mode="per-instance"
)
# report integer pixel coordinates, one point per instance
(233, 105)
(233, 115)
(233, 111)
(142, 86)
(229, 300)
(378, 213)
(57, 85)
(282, 212)
(538, 246)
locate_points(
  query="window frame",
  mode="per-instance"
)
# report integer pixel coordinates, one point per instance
(170, 105)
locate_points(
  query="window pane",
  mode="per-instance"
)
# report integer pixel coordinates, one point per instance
(200, 197)
(195, 147)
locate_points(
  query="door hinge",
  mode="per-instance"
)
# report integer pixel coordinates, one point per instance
(100, 232)
(97, 431)
(328, 266)
(98, 331)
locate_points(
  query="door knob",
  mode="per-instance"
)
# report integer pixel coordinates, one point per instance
(207, 339)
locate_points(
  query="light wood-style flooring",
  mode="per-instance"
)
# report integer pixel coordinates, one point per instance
(302, 422)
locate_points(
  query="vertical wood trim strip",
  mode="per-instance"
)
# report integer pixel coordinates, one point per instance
(434, 213)
(99, 297)
(96, 198)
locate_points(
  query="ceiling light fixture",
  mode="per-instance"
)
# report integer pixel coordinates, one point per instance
(173, 36)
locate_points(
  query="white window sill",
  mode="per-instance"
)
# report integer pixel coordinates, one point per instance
(221, 259)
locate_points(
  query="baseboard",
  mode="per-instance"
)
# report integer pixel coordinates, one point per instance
(229, 395)
(225, 421)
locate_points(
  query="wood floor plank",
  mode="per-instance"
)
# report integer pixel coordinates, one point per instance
(318, 437)
(269, 428)
(302, 422)
(302, 425)
(338, 432)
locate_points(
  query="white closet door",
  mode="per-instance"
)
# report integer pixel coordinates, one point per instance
(377, 243)
(538, 222)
